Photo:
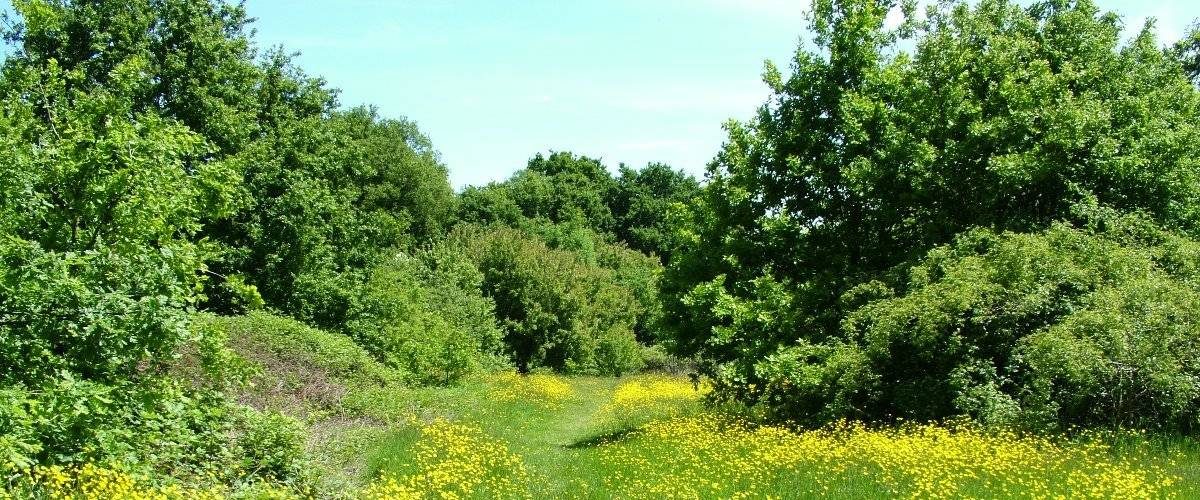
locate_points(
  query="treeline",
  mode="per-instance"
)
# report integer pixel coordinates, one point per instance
(987, 211)
(157, 164)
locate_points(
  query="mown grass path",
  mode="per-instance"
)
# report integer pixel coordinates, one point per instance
(648, 437)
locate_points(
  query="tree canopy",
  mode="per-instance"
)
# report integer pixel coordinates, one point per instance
(869, 157)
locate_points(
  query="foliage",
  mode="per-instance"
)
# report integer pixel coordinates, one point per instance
(427, 318)
(322, 193)
(1064, 326)
(868, 157)
(142, 139)
(633, 270)
(1187, 50)
(562, 187)
(152, 426)
(557, 312)
(196, 55)
(578, 192)
(1050, 329)
(332, 193)
(101, 200)
(274, 445)
(97, 267)
(642, 204)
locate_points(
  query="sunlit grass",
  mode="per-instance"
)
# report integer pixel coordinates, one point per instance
(645, 398)
(714, 457)
(648, 436)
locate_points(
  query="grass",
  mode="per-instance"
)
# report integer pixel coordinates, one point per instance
(647, 436)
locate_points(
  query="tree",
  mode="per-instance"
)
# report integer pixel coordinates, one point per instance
(1187, 50)
(643, 201)
(99, 207)
(198, 51)
(403, 177)
(867, 157)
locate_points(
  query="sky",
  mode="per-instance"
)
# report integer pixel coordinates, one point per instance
(627, 81)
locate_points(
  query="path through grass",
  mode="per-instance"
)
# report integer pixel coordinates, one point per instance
(648, 437)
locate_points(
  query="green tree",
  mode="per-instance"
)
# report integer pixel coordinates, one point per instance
(403, 178)
(329, 194)
(642, 203)
(99, 205)
(868, 156)
(558, 188)
(1187, 50)
(198, 51)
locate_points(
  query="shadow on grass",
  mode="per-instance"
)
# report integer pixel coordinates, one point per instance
(601, 439)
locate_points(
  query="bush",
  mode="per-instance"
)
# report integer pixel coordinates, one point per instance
(1063, 327)
(557, 311)
(273, 446)
(155, 426)
(632, 270)
(428, 320)
(656, 358)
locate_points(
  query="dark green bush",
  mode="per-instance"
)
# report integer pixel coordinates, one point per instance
(1067, 326)
(557, 311)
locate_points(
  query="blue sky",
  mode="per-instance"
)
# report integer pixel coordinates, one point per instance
(629, 81)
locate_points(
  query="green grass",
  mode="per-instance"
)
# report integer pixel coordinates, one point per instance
(546, 436)
(593, 437)
(568, 449)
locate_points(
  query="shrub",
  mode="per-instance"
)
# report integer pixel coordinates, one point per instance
(557, 311)
(273, 446)
(632, 270)
(154, 426)
(656, 358)
(1066, 326)
(430, 321)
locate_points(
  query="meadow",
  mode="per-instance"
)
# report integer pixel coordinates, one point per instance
(651, 436)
